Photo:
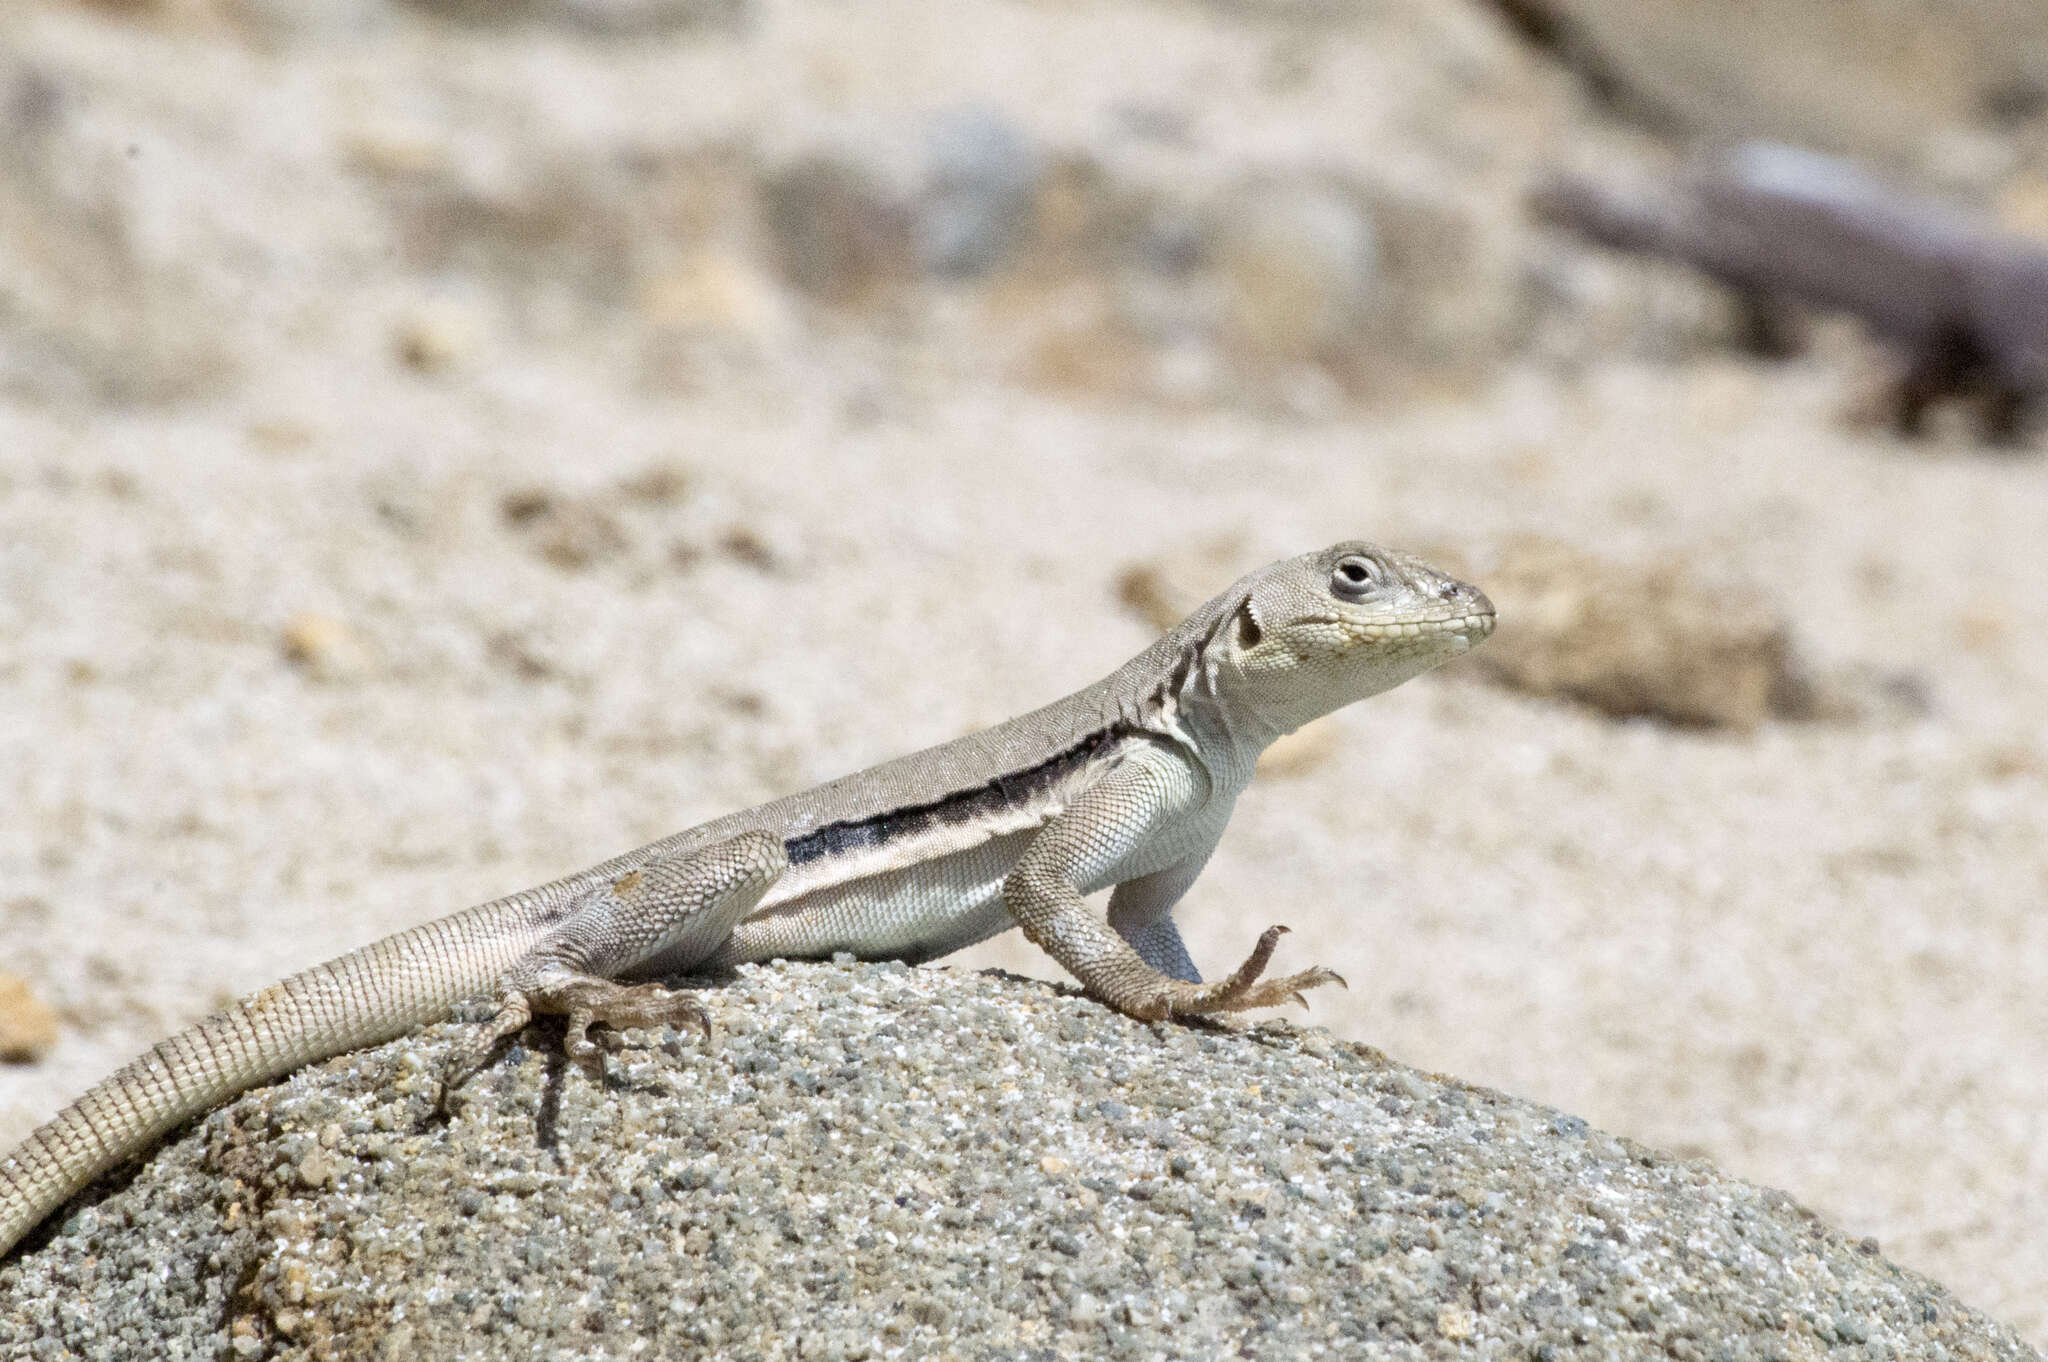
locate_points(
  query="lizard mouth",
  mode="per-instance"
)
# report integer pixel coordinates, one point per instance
(1464, 631)
(1473, 630)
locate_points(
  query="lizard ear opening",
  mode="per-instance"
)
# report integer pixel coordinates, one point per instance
(1245, 631)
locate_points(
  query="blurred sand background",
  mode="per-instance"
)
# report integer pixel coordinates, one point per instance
(443, 445)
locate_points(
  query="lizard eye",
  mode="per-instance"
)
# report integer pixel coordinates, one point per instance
(1356, 578)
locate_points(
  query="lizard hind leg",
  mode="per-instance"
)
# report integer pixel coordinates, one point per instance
(675, 907)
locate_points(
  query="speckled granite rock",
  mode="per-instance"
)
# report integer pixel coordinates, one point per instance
(878, 1161)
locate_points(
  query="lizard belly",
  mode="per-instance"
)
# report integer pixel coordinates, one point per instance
(913, 912)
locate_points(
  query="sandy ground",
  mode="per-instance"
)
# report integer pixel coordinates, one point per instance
(353, 637)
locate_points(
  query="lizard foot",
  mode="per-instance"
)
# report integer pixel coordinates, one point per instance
(621, 1007)
(1246, 989)
(586, 1000)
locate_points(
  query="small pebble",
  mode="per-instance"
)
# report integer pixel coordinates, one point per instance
(28, 1025)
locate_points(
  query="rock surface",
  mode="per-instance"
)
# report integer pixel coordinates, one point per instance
(876, 1160)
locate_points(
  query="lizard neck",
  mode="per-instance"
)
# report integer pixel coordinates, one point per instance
(1197, 707)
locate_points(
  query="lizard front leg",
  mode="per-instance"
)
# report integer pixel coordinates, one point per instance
(1141, 911)
(1100, 830)
(679, 907)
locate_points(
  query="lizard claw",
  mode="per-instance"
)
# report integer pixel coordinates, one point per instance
(1243, 990)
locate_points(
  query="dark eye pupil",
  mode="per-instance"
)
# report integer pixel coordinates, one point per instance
(1353, 572)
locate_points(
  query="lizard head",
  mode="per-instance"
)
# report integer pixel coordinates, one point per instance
(1311, 634)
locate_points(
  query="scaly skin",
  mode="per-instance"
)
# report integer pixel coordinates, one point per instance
(1127, 783)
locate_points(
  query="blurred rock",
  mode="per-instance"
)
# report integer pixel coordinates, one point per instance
(981, 178)
(541, 229)
(1300, 752)
(719, 292)
(324, 647)
(273, 22)
(2022, 207)
(658, 484)
(569, 532)
(98, 301)
(1291, 289)
(598, 18)
(1081, 342)
(281, 435)
(28, 1026)
(1655, 642)
(559, 238)
(517, 655)
(1300, 262)
(162, 11)
(1165, 589)
(1298, 287)
(1586, 305)
(1141, 589)
(388, 151)
(1451, 265)
(1852, 694)
(1873, 77)
(436, 338)
(1084, 218)
(841, 233)
(758, 547)
(198, 13)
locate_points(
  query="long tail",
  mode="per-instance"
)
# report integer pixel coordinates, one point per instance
(362, 998)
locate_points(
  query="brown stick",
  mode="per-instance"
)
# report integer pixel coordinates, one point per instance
(1966, 305)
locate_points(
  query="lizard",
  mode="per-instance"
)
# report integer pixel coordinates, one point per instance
(1125, 785)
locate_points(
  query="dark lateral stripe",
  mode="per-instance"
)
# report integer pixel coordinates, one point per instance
(959, 807)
